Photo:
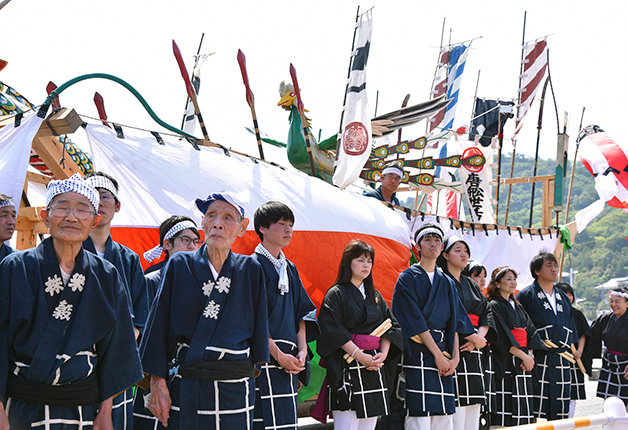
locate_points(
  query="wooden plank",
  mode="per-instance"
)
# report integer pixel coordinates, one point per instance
(38, 178)
(526, 180)
(31, 214)
(50, 150)
(547, 202)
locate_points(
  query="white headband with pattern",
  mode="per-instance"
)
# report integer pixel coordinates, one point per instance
(98, 181)
(505, 269)
(75, 184)
(474, 263)
(452, 240)
(7, 202)
(618, 293)
(393, 169)
(155, 253)
(429, 230)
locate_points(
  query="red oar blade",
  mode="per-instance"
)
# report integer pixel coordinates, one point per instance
(184, 71)
(297, 91)
(3, 64)
(100, 106)
(56, 104)
(250, 99)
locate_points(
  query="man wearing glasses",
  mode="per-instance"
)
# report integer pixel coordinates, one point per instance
(128, 264)
(64, 323)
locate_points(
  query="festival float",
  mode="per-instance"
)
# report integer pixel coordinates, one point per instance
(449, 168)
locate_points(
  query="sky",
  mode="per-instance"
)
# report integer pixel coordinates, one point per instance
(57, 41)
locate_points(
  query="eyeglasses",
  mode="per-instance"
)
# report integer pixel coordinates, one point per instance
(106, 196)
(79, 213)
(186, 240)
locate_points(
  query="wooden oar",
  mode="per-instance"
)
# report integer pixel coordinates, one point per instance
(297, 91)
(189, 88)
(100, 106)
(579, 361)
(379, 331)
(566, 355)
(56, 104)
(250, 99)
(418, 339)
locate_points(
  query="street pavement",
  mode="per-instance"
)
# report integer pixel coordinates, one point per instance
(591, 406)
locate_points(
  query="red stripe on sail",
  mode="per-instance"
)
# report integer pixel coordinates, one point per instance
(614, 154)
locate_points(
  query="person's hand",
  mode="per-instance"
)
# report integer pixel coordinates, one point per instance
(444, 366)
(527, 363)
(103, 421)
(478, 341)
(160, 401)
(577, 355)
(299, 385)
(626, 372)
(289, 363)
(377, 361)
(468, 346)
(4, 420)
(453, 363)
(302, 356)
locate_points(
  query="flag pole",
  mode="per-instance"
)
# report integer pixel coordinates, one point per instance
(538, 139)
(344, 102)
(189, 87)
(187, 101)
(306, 133)
(500, 135)
(573, 170)
(250, 99)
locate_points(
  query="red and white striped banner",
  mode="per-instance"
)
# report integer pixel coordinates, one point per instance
(534, 65)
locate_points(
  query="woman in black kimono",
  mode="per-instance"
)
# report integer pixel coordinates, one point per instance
(612, 328)
(513, 352)
(578, 391)
(352, 309)
(469, 380)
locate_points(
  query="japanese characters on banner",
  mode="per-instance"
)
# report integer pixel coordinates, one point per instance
(476, 181)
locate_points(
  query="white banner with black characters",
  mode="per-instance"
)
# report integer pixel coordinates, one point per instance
(476, 181)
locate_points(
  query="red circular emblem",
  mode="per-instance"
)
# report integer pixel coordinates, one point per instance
(473, 152)
(355, 139)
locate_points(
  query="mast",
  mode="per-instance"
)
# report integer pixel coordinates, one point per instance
(188, 100)
(536, 155)
(344, 101)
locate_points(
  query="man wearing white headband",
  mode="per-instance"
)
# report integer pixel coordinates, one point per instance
(8, 220)
(64, 323)
(431, 316)
(207, 328)
(391, 179)
(128, 264)
(550, 311)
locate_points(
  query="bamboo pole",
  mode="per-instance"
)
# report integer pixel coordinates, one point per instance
(379, 332)
(539, 126)
(418, 339)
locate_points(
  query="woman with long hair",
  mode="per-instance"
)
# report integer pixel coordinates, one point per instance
(612, 328)
(358, 386)
(469, 379)
(513, 352)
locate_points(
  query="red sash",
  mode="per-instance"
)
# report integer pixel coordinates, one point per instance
(521, 336)
(475, 319)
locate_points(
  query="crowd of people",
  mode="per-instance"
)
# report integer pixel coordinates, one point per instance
(212, 339)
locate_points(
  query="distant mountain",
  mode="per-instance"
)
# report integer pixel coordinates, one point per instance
(599, 252)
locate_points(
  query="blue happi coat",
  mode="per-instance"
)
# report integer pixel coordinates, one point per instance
(421, 306)
(553, 392)
(57, 335)
(276, 389)
(197, 318)
(5, 250)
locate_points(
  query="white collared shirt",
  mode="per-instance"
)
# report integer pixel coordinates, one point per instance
(361, 290)
(551, 298)
(431, 276)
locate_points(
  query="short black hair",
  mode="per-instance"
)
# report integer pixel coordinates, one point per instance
(537, 262)
(165, 227)
(566, 288)
(474, 269)
(271, 213)
(105, 175)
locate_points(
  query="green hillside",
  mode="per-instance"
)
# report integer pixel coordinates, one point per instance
(599, 252)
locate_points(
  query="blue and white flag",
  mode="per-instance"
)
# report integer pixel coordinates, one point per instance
(355, 141)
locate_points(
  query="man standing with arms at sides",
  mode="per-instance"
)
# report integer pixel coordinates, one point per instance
(550, 311)
(432, 317)
(208, 328)
(291, 322)
(391, 178)
(8, 220)
(127, 262)
(64, 324)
